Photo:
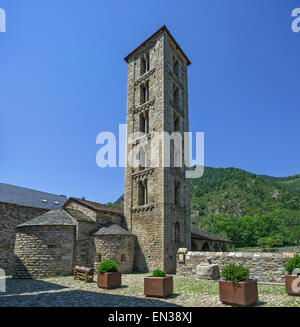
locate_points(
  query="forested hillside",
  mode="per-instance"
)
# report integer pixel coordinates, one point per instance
(250, 209)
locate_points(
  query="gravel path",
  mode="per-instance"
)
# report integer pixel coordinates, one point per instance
(64, 291)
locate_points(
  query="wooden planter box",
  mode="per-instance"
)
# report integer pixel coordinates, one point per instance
(158, 286)
(109, 280)
(238, 293)
(289, 279)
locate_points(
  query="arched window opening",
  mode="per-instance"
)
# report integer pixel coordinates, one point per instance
(123, 258)
(145, 63)
(144, 93)
(98, 257)
(177, 232)
(143, 193)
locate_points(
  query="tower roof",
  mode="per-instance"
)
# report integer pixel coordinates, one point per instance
(163, 28)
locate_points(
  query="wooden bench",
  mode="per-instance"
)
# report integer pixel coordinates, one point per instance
(84, 273)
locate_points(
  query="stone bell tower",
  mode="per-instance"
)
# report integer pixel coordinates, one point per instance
(157, 197)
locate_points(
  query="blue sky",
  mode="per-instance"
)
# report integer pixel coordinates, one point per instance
(63, 80)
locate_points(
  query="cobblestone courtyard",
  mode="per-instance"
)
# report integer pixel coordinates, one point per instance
(64, 291)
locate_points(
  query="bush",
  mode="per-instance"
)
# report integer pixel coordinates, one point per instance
(235, 273)
(292, 264)
(159, 273)
(108, 266)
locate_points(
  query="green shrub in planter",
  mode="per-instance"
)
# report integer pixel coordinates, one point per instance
(108, 266)
(292, 264)
(235, 273)
(159, 273)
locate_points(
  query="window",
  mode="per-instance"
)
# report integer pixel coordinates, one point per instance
(176, 124)
(177, 233)
(175, 96)
(123, 258)
(144, 122)
(144, 93)
(176, 193)
(142, 193)
(98, 257)
(145, 63)
(175, 66)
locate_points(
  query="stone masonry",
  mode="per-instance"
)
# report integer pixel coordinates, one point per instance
(265, 267)
(156, 102)
(12, 215)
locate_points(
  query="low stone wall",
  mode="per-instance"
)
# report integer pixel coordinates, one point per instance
(295, 249)
(265, 267)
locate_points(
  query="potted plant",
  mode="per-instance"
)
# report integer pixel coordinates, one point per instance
(292, 277)
(108, 275)
(159, 284)
(237, 288)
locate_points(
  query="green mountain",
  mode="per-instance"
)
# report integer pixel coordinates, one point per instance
(237, 193)
(249, 209)
(292, 183)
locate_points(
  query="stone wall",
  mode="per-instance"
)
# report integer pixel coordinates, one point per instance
(154, 222)
(119, 248)
(42, 251)
(12, 215)
(265, 267)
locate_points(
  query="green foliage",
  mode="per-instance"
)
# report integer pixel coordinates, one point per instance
(108, 266)
(239, 193)
(277, 228)
(159, 273)
(271, 241)
(249, 209)
(235, 273)
(292, 264)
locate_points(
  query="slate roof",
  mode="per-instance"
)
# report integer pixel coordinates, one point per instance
(110, 228)
(204, 235)
(95, 206)
(58, 217)
(30, 198)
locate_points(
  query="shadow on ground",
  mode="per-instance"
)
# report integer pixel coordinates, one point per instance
(54, 295)
(18, 286)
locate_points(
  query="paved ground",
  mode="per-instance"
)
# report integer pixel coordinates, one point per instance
(64, 291)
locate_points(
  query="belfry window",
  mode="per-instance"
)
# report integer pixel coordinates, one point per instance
(144, 93)
(175, 96)
(176, 124)
(176, 193)
(177, 232)
(175, 66)
(145, 63)
(144, 122)
(143, 192)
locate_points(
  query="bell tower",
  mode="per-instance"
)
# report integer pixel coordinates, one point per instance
(157, 196)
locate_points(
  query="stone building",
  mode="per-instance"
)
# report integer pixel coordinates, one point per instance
(51, 239)
(81, 233)
(18, 205)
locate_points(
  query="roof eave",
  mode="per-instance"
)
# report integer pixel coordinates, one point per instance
(163, 28)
